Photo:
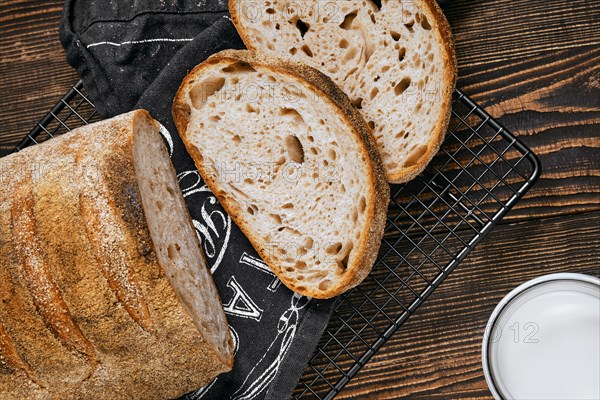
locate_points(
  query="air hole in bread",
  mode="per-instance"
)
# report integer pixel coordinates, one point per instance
(371, 125)
(409, 25)
(402, 86)
(324, 285)
(374, 93)
(251, 109)
(292, 113)
(348, 19)
(172, 250)
(334, 248)
(354, 216)
(401, 54)
(170, 191)
(288, 206)
(346, 254)
(332, 154)
(362, 204)
(239, 67)
(357, 103)
(415, 155)
(373, 20)
(237, 139)
(300, 265)
(344, 44)
(203, 90)
(270, 11)
(294, 149)
(395, 35)
(159, 205)
(424, 23)
(215, 118)
(302, 26)
(276, 217)
(307, 50)
(308, 242)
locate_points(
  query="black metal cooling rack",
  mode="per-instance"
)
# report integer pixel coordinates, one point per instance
(433, 223)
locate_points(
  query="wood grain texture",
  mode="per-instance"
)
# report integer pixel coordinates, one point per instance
(34, 73)
(535, 66)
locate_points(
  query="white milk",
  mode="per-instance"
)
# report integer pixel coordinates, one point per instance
(546, 343)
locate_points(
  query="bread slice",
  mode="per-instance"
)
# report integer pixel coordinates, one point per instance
(396, 63)
(293, 164)
(105, 290)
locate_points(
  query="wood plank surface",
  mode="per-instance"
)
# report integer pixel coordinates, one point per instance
(535, 66)
(34, 73)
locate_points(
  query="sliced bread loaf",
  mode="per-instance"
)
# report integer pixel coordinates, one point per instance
(105, 291)
(292, 162)
(396, 63)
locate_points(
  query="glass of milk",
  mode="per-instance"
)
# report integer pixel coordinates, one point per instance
(543, 341)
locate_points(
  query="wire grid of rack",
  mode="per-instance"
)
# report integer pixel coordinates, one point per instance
(433, 223)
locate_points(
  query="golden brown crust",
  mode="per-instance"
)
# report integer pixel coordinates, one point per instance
(314, 80)
(44, 292)
(133, 363)
(11, 360)
(445, 37)
(109, 236)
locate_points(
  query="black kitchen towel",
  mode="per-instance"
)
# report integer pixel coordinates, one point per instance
(134, 54)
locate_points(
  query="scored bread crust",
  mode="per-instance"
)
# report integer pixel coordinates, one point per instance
(445, 37)
(314, 80)
(140, 344)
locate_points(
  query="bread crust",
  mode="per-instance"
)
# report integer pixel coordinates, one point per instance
(445, 37)
(379, 195)
(128, 344)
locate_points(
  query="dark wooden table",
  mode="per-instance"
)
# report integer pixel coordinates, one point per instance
(535, 66)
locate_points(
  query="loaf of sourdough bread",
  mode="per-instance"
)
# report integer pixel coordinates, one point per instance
(293, 164)
(105, 290)
(396, 63)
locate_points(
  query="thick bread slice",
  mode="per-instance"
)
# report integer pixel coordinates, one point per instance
(396, 64)
(105, 290)
(293, 164)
